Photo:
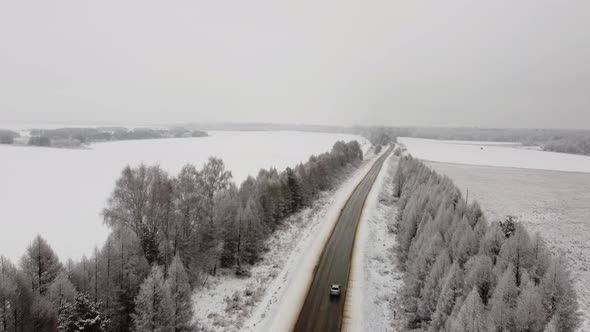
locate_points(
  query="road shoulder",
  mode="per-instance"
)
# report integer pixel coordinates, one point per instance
(374, 278)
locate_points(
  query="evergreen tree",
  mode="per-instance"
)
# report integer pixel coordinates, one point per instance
(492, 242)
(43, 315)
(508, 226)
(153, 305)
(23, 302)
(530, 314)
(61, 291)
(472, 317)
(214, 179)
(250, 243)
(552, 326)
(451, 293)
(559, 297)
(128, 268)
(8, 293)
(480, 275)
(296, 199)
(231, 222)
(82, 315)
(189, 211)
(433, 285)
(41, 264)
(518, 251)
(180, 290)
(541, 259)
(504, 301)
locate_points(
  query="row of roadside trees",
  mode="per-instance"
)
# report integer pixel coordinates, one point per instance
(462, 273)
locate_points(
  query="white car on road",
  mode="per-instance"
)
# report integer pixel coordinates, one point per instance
(335, 290)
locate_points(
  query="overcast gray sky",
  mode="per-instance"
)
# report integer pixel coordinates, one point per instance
(501, 63)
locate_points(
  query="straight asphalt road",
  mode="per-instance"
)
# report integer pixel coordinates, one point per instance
(321, 311)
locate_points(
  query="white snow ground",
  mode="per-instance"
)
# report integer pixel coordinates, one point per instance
(279, 283)
(374, 278)
(59, 193)
(494, 154)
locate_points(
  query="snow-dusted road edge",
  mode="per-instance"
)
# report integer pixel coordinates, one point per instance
(374, 279)
(288, 291)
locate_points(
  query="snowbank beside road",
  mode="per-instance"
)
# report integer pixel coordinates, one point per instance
(374, 278)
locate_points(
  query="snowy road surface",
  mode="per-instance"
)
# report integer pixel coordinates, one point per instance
(322, 312)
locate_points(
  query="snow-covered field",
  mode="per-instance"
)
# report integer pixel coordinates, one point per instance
(269, 300)
(494, 154)
(59, 193)
(374, 278)
(553, 203)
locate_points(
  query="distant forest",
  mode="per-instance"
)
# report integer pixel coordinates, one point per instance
(168, 234)
(556, 140)
(74, 137)
(464, 274)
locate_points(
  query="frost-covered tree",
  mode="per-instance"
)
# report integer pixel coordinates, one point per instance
(433, 285)
(142, 202)
(61, 290)
(190, 216)
(492, 242)
(41, 264)
(43, 315)
(450, 295)
(294, 187)
(518, 251)
(154, 305)
(22, 302)
(180, 290)
(552, 326)
(422, 256)
(227, 214)
(82, 315)
(464, 242)
(504, 301)
(530, 314)
(541, 259)
(119, 268)
(8, 293)
(472, 317)
(307, 187)
(480, 275)
(252, 234)
(559, 297)
(215, 179)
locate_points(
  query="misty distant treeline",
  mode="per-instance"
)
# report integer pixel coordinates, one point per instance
(556, 140)
(74, 137)
(8, 136)
(168, 235)
(267, 127)
(462, 274)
